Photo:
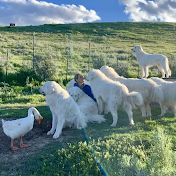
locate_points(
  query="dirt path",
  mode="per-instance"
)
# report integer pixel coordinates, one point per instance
(37, 138)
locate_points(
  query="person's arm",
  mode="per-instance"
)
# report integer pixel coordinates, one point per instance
(87, 89)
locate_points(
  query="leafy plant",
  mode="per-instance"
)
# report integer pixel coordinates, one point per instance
(44, 67)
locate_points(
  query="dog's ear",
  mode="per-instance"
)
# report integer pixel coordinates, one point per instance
(50, 89)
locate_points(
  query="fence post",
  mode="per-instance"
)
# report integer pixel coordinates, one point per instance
(7, 61)
(70, 54)
(33, 52)
(67, 67)
(89, 58)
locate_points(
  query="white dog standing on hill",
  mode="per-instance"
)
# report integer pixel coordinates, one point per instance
(113, 94)
(86, 105)
(149, 90)
(65, 111)
(146, 60)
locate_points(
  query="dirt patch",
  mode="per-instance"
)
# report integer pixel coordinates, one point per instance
(37, 138)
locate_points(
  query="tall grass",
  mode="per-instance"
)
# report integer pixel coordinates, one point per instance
(124, 157)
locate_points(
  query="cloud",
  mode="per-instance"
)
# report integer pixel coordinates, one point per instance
(143, 10)
(33, 12)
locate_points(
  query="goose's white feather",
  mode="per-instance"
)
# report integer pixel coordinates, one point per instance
(19, 127)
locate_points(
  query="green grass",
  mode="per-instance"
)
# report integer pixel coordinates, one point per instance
(147, 148)
(109, 39)
(121, 150)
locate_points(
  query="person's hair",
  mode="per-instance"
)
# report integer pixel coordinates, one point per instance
(76, 76)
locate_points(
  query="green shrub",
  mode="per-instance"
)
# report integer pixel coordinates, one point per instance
(99, 60)
(123, 157)
(74, 160)
(44, 67)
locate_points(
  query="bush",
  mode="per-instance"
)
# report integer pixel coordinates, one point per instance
(44, 67)
(126, 158)
(98, 61)
(74, 160)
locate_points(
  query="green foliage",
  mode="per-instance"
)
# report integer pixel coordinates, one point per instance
(87, 46)
(74, 160)
(44, 67)
(99, 60)
(127, 158)
(122, 150)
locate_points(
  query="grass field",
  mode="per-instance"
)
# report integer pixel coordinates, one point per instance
(147, 148)
(123, 150)
(85, 46)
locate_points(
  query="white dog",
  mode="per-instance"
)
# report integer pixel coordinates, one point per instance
(64, 109)
(113, 94)
(169, 93)
(146, 60)
(86, 105)
(149, 90)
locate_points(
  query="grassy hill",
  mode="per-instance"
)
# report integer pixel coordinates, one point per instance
(73, 47)
(147, 148)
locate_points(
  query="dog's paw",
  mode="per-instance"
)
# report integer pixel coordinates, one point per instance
(131, 123)
(79, 128)
(113, 125)
(49, 133)
(55, 136)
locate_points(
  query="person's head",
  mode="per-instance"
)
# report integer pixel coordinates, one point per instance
(79, 78)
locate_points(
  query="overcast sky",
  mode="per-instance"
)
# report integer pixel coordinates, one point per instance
(34, 12)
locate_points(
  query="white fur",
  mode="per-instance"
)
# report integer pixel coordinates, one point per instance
(113, 94)
(146, 60)
(86, 105)
(149, 90)
(169, 91)
(72, 82)
(65, 112)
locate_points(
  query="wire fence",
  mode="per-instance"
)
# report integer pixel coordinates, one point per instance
(74, 54)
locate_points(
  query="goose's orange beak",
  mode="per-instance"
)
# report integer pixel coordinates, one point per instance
(39, 120)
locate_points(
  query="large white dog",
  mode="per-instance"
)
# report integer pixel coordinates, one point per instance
(149, 90)
(86, 105)
(113, 94)
(169, 93)
(65, 111)
(146, 60)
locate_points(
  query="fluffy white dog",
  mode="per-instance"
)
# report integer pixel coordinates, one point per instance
(146, 60)
(113, 94)
(149, 90)
(86, 105)
(65, 111)
(169, 93)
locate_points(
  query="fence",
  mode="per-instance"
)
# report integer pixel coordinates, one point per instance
(73, 53)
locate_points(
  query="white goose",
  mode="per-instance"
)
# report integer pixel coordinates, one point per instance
(18, 128)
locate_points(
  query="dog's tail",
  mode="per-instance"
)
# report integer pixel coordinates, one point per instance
(3, 121)
(80, 121)
(95, 118)
(135, 99)
(157, 94)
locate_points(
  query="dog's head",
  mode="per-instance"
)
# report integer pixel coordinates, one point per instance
(93, 74)
(47, 88)
(75, 93)
(109, 72)
(136, 48)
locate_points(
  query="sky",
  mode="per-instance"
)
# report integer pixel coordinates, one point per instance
(35, 12)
